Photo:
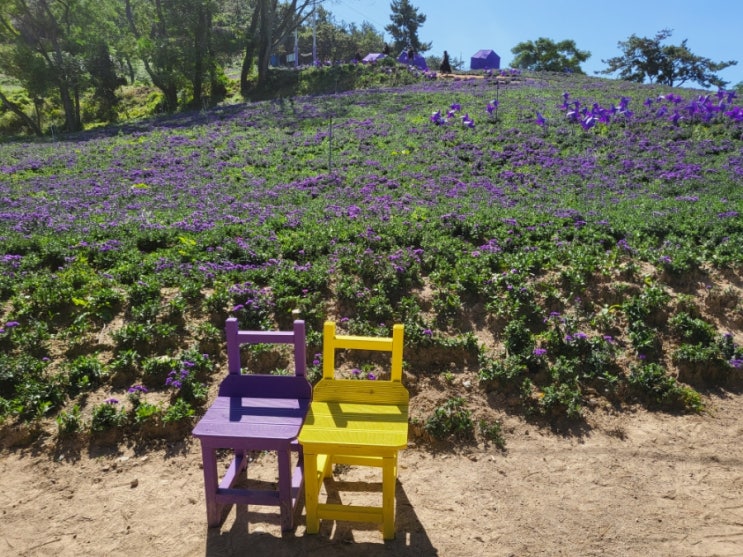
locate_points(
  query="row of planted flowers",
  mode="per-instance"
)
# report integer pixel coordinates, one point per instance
(127, 247)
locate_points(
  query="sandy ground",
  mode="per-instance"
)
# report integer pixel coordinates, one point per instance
(627, 484)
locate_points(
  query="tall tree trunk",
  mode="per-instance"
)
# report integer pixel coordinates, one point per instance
(251, 45)
(161, 81)
(68, 105)
(265, 34)
(203, 61)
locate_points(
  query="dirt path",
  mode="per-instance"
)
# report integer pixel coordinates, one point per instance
(631, 484)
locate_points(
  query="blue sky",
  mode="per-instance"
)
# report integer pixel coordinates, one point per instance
(466, 26)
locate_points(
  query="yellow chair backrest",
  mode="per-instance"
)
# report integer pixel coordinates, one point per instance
(333, 342)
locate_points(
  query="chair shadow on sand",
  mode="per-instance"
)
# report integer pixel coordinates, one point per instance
(335, 537)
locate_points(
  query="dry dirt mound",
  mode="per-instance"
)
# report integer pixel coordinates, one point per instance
(626, 484)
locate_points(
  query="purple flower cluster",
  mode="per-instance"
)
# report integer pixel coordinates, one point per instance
(703, 108)
(177, 378)
(451, 114)
(588, 117)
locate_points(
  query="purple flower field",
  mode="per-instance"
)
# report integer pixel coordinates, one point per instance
(568, 219)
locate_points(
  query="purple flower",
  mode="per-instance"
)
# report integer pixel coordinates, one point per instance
(111, 401)
(539, 352)
(11, 324)
(624, 245)
(540, 120)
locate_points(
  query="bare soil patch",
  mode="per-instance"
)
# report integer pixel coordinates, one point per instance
(627, 482)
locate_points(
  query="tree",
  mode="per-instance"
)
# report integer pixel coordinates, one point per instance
(16, 109)
(149, 23)
(404, 27)
(673, 65)
(104, 79)
(547, 55)
(175, 43)
(337, 41)
(366, 39)
(270, 23)
(45, 48)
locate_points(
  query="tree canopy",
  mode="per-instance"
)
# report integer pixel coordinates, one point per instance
(406, 20)
(648, 59)
(546, 55)
(70, 57)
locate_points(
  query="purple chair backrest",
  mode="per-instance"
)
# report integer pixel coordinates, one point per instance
(236, 337)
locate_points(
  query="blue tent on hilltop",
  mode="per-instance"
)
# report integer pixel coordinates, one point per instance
(418, 61)
(485, 60)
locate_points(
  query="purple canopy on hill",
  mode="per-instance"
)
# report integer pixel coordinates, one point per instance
(485, 60)
(373, 57)
(417, 61)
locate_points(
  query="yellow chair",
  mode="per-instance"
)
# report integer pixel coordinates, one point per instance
(358, 422)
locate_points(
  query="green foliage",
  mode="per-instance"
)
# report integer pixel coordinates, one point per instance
(155, 369)
(126, 363)
(493, 432)
(85, 373)
(451, 418)
(652, 382)
(30, 390)
(673, 65)
(692, 329)
(147, 412)
(563, 398)
(518, 339)
(145, 338)
(179, 411)
(547, 55)
(70, 422)
(644, 312)
(107, 416)
(406, 21)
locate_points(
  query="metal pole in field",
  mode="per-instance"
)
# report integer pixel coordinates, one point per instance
(330, 143)
(296, 48)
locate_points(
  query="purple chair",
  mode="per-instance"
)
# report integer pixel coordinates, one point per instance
(256, 413)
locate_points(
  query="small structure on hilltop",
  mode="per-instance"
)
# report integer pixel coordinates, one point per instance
(485, 60)
(373, 57)
(412, 59)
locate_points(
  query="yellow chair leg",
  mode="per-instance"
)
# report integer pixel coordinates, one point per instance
(311, 492)
(388, 497)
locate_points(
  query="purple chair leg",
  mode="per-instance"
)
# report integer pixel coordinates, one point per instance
(209, 458)
(285, 489)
